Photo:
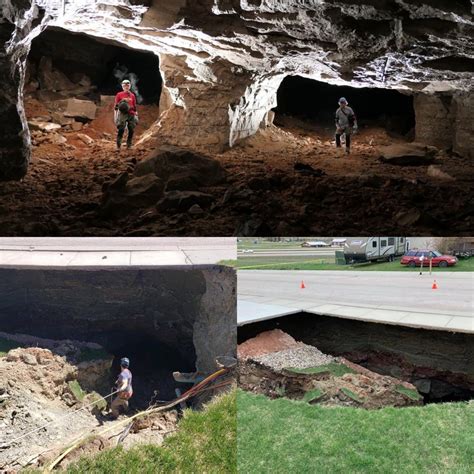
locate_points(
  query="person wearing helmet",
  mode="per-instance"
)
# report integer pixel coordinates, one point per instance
(126, 115)
(124, 387)
(345, 123)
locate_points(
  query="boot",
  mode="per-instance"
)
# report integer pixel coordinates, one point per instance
(119, 143)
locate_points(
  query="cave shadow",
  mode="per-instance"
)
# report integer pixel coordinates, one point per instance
(315, 103)
(104, 62)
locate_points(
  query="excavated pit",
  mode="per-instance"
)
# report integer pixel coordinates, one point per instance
(439, 364)
(315, 102)
(167, 319)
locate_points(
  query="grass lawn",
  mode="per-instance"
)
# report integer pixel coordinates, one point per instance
(7, 345)
(262, 263)
(206, 441)
(282, 436)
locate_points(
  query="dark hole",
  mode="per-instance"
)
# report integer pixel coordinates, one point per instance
(106, 63)
(380, 348)
(152, 364)
(316, 102)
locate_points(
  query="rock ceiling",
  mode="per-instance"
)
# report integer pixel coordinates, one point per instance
(231, 55)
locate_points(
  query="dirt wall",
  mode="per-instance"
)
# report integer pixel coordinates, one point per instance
(188, 309)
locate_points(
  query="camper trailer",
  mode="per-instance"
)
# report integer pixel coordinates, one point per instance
(367, 249)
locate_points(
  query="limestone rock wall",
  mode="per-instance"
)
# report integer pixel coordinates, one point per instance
(222, 60)
(463, 142)
(444, 120)
(434, 117)
(189, 310)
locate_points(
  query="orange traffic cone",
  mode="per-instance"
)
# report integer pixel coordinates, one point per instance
(302, 284)
(434, 286)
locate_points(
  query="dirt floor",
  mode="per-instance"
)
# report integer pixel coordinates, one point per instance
(286, 180)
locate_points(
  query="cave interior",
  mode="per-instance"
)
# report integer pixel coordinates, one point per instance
(105, 63)
(315, 102)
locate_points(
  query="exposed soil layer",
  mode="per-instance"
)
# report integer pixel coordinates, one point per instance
(439, 364)
(304, 373)
(41, 387)
(286, 180)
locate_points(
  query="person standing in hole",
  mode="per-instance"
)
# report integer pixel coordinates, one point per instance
(124, 387)
(345, 123)
(125, 113)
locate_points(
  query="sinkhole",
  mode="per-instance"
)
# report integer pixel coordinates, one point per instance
(316, 102)
(440, 364)
(164, 319)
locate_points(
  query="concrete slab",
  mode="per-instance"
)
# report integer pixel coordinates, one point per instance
(426, 320)
(97, 259)
(461, 324)
(98, 251)
(248, 312)
(164, 257)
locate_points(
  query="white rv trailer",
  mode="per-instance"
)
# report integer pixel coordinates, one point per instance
(366, 249)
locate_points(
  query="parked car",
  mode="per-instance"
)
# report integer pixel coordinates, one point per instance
(413, 258)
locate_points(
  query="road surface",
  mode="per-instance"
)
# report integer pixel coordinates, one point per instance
(115, 251)
(403, 298)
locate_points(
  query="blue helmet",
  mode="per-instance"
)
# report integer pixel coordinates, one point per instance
(124, 362)
(342, 100)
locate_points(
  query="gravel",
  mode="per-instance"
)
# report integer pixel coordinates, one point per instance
(300, 358)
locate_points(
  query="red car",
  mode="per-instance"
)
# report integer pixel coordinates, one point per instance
(413, 259)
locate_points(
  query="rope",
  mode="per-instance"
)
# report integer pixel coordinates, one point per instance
(191, 392)
(60, 418)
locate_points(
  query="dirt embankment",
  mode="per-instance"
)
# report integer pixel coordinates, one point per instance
(274, 364)
(43, 407)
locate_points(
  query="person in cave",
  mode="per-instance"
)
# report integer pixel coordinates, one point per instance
(346, 123)
(124, 388)
(126, 115)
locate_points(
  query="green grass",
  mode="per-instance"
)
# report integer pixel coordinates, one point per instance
(206, 441)
(7, 345)
(88, 354)
(312, 395)
(410, 393)
(76, 390)
(349, 393)
(281, 436)
(272, 263)
(338, 370)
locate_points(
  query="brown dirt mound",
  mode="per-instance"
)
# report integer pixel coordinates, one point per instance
(265, 343)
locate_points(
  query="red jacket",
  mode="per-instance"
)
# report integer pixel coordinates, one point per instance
(130, 98)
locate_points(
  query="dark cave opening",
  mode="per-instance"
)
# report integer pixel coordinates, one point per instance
(385, 349)
(152, 364)
(316, 102)
(104, 63)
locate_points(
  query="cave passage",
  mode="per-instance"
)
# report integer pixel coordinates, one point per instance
(105, 64)
(316, 102)
(387, 350)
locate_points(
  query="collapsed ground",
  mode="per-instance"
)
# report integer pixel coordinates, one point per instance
(372, 375)
(44, 382)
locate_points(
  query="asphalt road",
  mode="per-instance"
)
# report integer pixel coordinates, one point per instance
(394, 297)
(302, 252)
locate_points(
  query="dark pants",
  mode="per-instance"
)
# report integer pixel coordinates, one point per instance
(129, 122)
(348, 140)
